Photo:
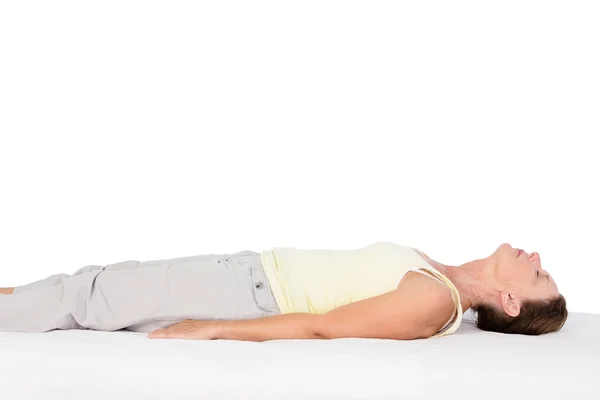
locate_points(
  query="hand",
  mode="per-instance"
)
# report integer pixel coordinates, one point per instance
(188, 329)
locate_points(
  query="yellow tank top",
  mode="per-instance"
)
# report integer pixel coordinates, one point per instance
(317, 281)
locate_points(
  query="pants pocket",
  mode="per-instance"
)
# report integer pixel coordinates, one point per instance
(262, 290)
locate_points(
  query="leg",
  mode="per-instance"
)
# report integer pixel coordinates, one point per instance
(45, 304)
(42, 283)
(142, 296)
(130, 264)
(55, 302)
(35, 311)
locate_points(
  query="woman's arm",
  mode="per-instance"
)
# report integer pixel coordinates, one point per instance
(288, 326)
(417, 309)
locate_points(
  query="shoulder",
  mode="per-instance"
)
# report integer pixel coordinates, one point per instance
(432, 303)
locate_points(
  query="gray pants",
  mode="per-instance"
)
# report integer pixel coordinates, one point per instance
(143, 296)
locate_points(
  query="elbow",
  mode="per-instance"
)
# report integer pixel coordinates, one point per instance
(324, 326)
(319, 328)
(426, 333)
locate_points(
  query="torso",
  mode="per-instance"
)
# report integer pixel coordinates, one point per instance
(317, 281)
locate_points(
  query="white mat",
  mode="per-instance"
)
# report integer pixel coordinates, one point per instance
(469, 364)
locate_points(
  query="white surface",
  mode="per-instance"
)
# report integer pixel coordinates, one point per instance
(478, 365)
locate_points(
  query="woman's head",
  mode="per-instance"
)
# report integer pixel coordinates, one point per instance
(524, 297)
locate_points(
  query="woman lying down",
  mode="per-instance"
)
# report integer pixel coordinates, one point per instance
(384, 290)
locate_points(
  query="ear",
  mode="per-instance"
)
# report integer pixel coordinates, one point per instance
(510, 304)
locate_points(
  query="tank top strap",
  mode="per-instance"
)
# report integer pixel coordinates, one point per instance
(456, 316)
(427, 274)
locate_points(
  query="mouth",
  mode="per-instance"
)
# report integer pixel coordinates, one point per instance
(519, 252)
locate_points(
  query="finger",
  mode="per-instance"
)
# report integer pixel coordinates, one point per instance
(169, 334)
(169, 330)
(157, 334)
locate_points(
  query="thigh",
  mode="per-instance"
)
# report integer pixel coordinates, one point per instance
(221, 287)
(235, 288)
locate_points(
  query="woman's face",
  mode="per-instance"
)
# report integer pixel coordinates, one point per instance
(521, 274)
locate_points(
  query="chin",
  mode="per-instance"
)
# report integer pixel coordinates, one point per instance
(505, 246)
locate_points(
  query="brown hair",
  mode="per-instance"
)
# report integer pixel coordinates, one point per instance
(535, 318)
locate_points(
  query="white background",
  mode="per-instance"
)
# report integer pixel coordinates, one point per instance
(146, 130)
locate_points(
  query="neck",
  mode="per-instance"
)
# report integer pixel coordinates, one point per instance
(467, 278)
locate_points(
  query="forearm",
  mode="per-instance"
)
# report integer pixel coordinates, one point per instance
(286, 326)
